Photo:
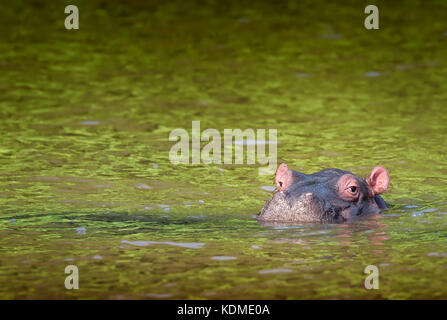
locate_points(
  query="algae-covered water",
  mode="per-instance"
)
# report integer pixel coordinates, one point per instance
(85, 176)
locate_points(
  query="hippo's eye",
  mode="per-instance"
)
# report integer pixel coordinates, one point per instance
(353, 189)
(349, 187)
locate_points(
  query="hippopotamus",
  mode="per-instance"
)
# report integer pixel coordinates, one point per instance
(327, 196)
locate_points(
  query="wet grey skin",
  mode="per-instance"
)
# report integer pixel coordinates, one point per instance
(316, 198)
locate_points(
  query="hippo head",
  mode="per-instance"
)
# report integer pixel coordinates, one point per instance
(327, 196)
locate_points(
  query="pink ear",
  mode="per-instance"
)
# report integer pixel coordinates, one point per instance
(379, 180)
(283, 178)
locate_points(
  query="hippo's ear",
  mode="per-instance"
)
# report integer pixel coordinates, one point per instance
(283, 178)
(379, 180)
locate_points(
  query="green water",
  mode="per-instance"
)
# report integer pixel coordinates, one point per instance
(85, 117)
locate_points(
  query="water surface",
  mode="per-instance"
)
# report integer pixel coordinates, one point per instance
(85, 174)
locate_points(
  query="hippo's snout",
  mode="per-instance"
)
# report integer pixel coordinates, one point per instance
(305, 208)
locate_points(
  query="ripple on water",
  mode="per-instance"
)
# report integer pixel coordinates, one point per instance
(372, 74)
(143, 186)
(332, 36)
(191, 245)
(411, 206)
(417, 214)
(81, 230)
(314, 233)
(89, 123)
(223, 258)
(402, 67)
(287, 227)
(196, 217)
(268, 188)
(420, 213)
(158, 295)
(243, 20)
(272, 271)
(437, 254)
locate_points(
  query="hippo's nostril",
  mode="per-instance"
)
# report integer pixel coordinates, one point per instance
(360, 211)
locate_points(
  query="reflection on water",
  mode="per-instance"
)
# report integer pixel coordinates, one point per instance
(152, 258)
(178, 244)
(84, 171)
